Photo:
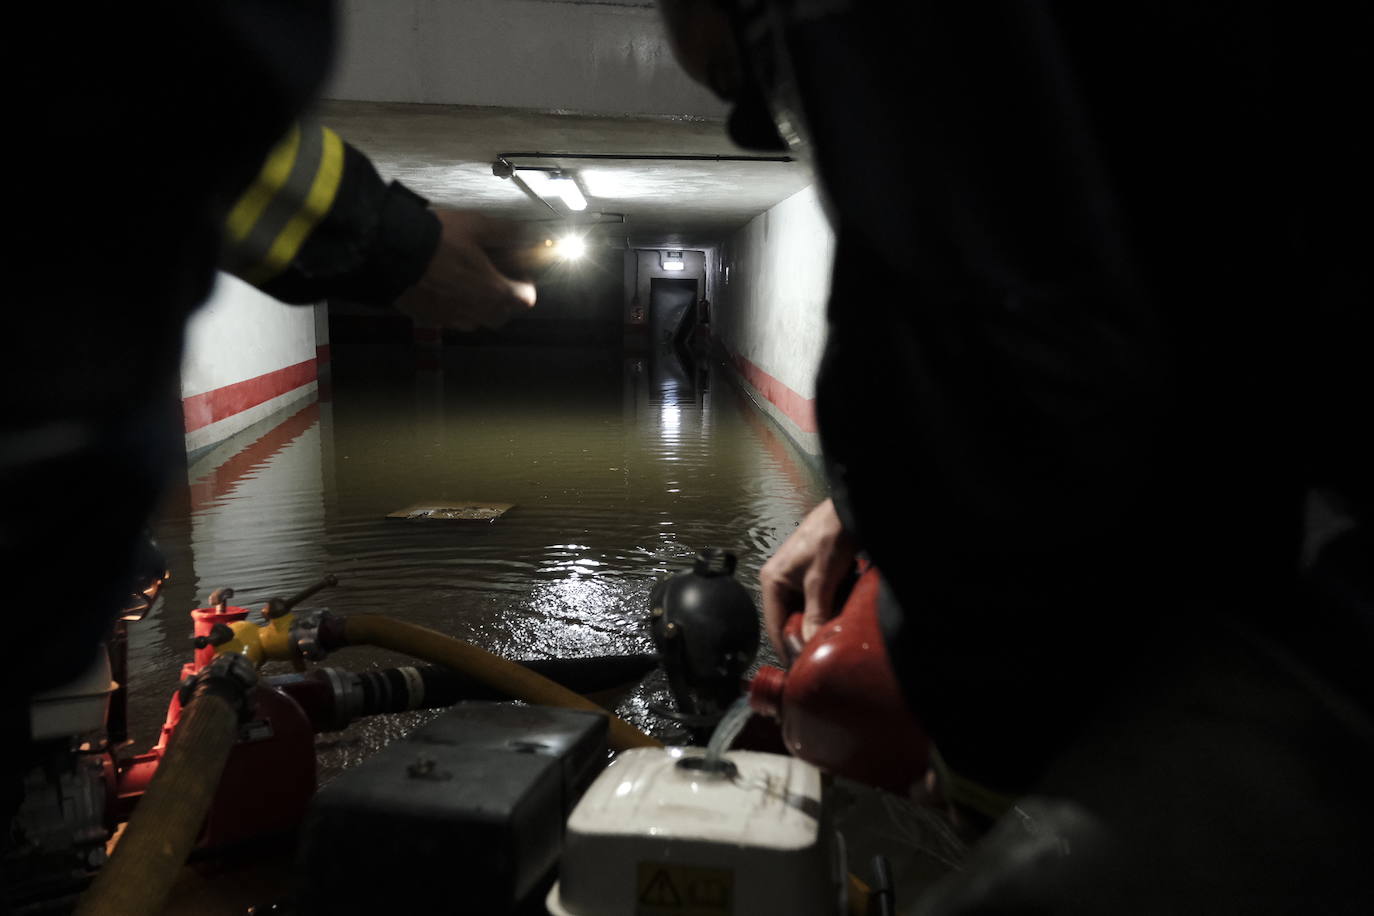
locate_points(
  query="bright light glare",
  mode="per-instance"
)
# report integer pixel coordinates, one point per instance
(566, 188)
(571, 247)
(536, 180)
(674, 265)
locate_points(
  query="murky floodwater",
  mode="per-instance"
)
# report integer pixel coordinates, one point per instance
(619, 468)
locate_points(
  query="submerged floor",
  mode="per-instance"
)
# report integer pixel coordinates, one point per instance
(619, 468)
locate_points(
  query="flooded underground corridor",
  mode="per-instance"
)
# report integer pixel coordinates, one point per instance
(562, 293)
(656, 400)
(619, 469)
(404, 398)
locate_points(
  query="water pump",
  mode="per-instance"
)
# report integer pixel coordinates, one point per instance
(706, 629)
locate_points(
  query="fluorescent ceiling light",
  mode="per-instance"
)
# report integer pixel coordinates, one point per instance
(672, 260)
(567, 189)
(552, 186)
(537, 180)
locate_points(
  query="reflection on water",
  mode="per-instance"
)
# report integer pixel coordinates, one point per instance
(619, 469)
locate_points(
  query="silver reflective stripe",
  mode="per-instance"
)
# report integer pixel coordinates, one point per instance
(251, 251)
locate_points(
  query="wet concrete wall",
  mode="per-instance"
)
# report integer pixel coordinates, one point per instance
(771, 287)
(601, 57)
(247, 356)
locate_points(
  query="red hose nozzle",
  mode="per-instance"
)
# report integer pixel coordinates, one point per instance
(765, 691)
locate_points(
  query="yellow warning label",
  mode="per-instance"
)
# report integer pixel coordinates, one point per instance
(684, 890)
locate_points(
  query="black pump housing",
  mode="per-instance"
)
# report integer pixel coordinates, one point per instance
(464, 815)
(706, 628)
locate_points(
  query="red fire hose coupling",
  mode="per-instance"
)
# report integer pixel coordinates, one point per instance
(230, 677)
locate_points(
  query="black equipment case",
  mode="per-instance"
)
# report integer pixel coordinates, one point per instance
(464, 815)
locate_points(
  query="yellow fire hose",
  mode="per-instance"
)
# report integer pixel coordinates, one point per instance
(511, 678)
(139, 876)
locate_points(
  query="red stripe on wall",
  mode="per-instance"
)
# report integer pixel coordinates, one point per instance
(200, 410)
(800, 410)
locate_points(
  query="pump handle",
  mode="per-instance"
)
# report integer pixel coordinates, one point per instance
(319, 586)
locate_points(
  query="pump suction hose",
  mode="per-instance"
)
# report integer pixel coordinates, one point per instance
(138, 878)
(511, 678)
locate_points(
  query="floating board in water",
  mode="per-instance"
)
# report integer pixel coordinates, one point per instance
(460, 511)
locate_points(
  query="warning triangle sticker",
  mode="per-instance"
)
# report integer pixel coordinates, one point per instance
(660, 891)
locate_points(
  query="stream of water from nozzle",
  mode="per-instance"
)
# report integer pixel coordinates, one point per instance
(727, 731)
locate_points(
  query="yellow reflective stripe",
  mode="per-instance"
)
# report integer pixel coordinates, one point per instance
(251, 204)
(317, 203)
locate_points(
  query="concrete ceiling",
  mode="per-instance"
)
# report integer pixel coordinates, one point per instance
(445, 153)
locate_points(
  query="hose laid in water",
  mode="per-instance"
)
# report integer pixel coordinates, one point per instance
(138, 878)
(511, 678)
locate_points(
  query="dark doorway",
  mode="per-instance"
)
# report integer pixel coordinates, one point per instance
(672, 307)
(669, 303)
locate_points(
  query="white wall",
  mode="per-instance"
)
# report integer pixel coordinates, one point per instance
(594, 57)
(237, 336)
(771, 288)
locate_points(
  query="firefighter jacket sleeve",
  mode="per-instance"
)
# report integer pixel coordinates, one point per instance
(318, 222)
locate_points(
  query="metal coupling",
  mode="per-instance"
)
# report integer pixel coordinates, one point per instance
(321, 633)
(232, 677)
(349, 701)
(305, 636)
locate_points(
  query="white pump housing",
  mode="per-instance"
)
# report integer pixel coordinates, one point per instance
(653, 838)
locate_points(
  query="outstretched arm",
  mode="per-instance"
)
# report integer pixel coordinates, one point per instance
(319, 222)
